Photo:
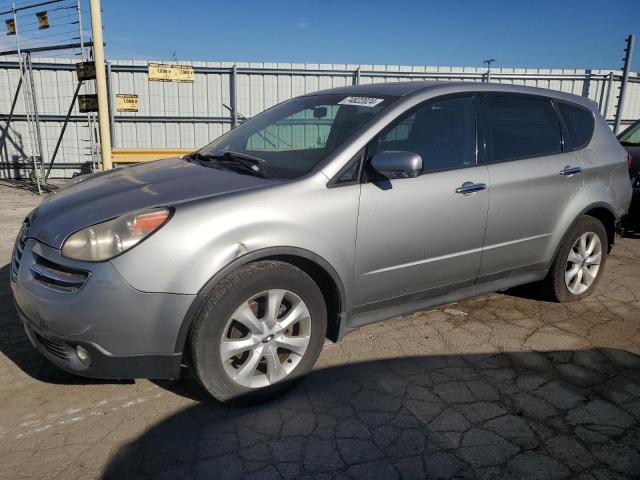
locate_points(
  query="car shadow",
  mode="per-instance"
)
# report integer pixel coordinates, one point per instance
(15, 345)
(530, 291)
(559, 414)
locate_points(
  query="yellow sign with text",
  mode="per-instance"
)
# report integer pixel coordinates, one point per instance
(170, 73)
(126, 102)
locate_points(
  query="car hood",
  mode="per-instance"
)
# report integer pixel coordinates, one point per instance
(101, 196)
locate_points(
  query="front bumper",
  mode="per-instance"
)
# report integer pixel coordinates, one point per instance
(126, 333)
(62, 352)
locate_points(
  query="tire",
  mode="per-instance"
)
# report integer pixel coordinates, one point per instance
(225, 321)
(555, 285)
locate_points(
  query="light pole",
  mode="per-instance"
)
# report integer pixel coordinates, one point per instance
(489, 61)
(101, 84)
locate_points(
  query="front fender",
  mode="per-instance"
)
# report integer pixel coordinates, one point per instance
(257, 255)
(204, 237)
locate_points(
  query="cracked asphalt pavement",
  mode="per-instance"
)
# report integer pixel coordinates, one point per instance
(499, 386)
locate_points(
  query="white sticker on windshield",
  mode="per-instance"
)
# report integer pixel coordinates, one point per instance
(361, 101)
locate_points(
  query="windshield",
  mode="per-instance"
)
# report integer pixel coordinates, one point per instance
(291, 138)
(631, 136)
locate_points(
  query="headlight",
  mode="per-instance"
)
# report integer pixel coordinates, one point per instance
(107, 239)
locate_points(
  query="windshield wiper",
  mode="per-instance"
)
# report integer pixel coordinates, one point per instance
(201, 157)
(246, 163)
(629, 144)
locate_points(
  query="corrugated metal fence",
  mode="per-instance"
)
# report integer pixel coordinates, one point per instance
(186, 115)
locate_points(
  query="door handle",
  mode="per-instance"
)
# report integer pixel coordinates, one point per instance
(569, 170)
(470, 187)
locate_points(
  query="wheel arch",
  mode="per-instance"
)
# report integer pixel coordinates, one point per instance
(599, 210)
(321, 271)
(607, 217)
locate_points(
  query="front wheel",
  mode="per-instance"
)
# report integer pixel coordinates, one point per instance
(261, 329)
(580, 261)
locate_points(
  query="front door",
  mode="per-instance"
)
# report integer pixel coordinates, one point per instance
(419, 234)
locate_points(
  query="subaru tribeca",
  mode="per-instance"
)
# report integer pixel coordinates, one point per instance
(322, 214)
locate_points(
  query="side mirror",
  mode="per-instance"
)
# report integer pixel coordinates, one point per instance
(397, 164)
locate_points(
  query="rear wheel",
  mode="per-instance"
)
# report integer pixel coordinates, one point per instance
(580, 261)
(261, 329)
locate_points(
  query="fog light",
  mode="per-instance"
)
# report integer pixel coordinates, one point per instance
(83, 355)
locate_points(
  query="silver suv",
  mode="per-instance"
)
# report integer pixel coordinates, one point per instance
(324, 213)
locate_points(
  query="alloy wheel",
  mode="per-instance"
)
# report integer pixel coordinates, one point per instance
(583, 263)
(265, 338)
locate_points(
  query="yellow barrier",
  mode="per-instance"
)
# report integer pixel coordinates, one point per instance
(137, 155)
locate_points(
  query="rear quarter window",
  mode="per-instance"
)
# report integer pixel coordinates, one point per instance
(579, 123)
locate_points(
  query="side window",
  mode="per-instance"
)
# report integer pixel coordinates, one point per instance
(579, 123)
(443, 133)
(523, 127)
(351, 174)
(400, 132)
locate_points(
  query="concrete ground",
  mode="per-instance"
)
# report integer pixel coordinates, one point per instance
(501, 386)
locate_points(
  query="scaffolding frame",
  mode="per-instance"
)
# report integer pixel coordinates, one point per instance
(26, 85)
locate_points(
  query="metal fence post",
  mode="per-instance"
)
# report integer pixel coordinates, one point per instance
(110, 105)
(625, 81)
(608, 95)
(601, 100)
(356, 76)
(586, 84)
(36, 116)
(233, 98)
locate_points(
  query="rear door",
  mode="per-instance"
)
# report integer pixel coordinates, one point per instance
(533, 177)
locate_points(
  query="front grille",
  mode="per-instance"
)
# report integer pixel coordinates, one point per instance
(57, 277)
(17, 251)
(58, 349)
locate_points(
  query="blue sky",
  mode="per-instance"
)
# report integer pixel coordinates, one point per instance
(517, 33)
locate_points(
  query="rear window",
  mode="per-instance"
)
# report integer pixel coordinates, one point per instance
(523, 127)
(579, 123)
